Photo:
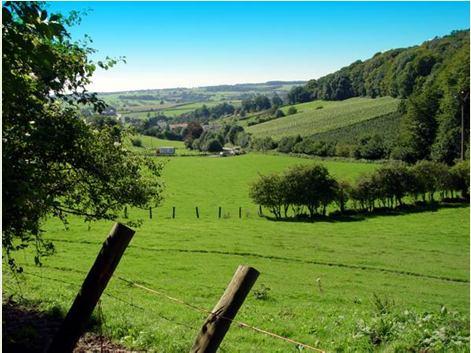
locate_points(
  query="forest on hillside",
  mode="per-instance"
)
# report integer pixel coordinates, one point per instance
(431, 78)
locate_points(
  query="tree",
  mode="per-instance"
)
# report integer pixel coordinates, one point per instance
(268, 191)
(430, 177)
(214, 145)
(299, 94)
(459, 175)
(276, 101)
(54, 163)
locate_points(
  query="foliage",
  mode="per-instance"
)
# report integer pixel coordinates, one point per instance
(136, 142)
(292, 110)
(53, 162)
(409, 331)
(263, 144)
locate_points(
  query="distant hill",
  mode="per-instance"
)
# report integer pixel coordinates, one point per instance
(321, 116)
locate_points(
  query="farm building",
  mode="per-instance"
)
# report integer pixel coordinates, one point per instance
(230, 151)
(165, 151)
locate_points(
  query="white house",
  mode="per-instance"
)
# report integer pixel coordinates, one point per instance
(165, 151)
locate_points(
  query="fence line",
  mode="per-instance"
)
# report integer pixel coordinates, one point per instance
(240, 323)
(195, 308)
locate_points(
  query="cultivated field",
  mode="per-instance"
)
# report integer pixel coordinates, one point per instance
(420, 260)
(319, 116)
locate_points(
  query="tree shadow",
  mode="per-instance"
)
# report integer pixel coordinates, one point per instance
(361, 215)
(27, 329)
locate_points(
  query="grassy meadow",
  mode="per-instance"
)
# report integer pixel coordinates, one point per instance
(319, 116)
(418, 260)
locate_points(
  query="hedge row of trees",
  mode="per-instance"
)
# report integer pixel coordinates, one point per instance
(213, 140)
(370, 147)
(311, 188)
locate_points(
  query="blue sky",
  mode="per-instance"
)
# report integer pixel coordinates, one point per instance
(189, 44)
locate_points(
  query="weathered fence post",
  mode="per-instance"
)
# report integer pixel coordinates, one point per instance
(150, 212)
(218, 322)
(173, 212)
(240, 212)
(197, 212)
(220, 211)
(125, 211)
(95, 283)
(260, 210)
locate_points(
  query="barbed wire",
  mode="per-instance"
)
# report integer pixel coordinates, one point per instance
(240, 323)
(195, 308)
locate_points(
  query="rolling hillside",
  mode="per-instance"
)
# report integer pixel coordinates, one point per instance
(320, 116)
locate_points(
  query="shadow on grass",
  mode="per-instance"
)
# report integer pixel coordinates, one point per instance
(361, 215)
(28, 329)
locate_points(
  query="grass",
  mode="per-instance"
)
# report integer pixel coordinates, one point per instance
(194, 259)
(333, 115)
(150, 144)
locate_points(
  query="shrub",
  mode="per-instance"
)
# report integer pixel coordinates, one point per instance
(279, 113)
(392, 182)
(459, 178)
(286, 144)
(263, 144)
(430, 177)
(136, 142)
(370, 147)
(214, 145)
(292, 110)
(268, 191)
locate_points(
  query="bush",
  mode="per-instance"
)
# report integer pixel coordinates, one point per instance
(279, 113)
(136, 142)
(430, 178)
(370, 147)
(292, 110)
(214, 146)
(263, 144)
(268, 191)
(286, 144)
(459, 178)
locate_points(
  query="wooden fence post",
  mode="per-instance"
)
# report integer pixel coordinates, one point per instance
(150, 212)
(240, 212)
(218, 322)
(173, 212)
(260, 210)
(95, 283)
(125, 211)
(220, 211)
(197, 212)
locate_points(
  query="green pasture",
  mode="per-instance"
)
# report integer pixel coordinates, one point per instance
(150, 144)
(420, 260)
(319, 116)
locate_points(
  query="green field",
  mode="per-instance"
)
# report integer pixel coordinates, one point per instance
(150, 144)
(401, 257)
(310, 119)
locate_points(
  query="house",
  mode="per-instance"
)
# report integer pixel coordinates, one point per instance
(230, 151)
(165, 151)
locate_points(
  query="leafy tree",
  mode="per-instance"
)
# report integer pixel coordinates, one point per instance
(286, 144)
(299, 94)
(370, 147)
(430, 177)
(263, 144)
(292, 110)
(214, 145)
(459, 175)
(268, 191)
(54, 164)
(276, 101)
(344, 190)
(278, 113)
